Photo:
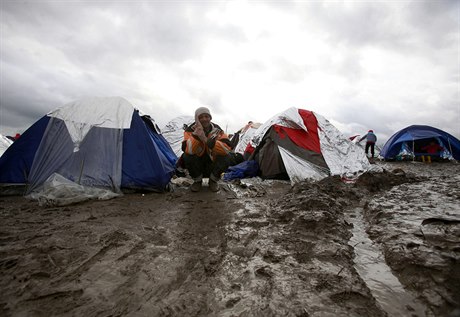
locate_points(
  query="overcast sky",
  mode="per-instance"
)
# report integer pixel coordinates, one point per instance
(380, 65)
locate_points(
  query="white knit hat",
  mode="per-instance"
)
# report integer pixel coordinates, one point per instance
(202, 110)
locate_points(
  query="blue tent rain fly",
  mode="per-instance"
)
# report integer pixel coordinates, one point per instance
(95, 142)
(408, 143)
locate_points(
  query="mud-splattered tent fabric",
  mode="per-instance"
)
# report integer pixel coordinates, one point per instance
(299, 144)
(96, 142)
(408, 143)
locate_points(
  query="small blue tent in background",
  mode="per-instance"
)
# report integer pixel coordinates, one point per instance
(94, 142)
(408, 143)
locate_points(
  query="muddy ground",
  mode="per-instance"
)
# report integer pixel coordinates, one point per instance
(387, 245)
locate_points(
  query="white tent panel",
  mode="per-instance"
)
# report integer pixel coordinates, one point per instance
(81, 115)
(299, 169)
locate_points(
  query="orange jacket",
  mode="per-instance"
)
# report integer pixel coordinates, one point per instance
(218, 143)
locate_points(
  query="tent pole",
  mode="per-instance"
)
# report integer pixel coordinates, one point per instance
(81, 170)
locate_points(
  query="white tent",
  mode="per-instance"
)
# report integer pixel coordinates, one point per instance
(173, 132)
(4, 144)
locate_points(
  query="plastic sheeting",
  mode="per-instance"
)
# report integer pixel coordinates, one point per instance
(289, 119)
(299, 169)
(245, 138)
(343, 157)
(243, 170)
(59, 191)
(173, 132)
(406, 153)
(4, 144)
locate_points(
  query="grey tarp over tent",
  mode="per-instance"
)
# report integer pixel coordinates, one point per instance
(304, 145)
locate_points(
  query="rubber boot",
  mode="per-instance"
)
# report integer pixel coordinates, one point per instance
(197, 183)
(213, 183)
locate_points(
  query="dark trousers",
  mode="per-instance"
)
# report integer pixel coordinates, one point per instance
(370, 145)
(204, 166)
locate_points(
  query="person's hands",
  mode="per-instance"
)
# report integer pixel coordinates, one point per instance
(199, 131)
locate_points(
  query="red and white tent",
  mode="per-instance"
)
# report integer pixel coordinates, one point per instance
(302, 145)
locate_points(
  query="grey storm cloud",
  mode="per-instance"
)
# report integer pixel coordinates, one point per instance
(413, 27)
(98, 39)
(90, 35)
(54, 52)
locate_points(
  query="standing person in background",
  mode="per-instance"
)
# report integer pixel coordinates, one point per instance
(371, 138)
(207, 150)
(236, 137)
(433, 149)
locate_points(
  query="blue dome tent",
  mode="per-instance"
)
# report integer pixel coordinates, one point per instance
(95, 142)
(408, 143)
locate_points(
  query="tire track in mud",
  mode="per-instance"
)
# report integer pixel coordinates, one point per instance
(289, 255)
(424, 255)
(371, 265)
(306, 235)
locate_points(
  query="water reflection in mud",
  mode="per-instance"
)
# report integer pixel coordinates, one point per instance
(371, 266)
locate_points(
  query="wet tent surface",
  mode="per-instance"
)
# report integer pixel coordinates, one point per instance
(386, 245)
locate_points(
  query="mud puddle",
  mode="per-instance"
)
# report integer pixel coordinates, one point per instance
(370, 264)
(417, 226)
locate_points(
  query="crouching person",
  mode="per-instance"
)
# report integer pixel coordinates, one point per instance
(207, 150)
